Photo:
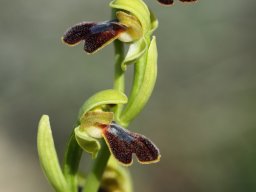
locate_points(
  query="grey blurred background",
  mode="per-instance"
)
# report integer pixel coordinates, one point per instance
(202, 114)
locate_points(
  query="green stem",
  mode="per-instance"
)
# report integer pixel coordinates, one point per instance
(119, 79)
(71, 162)
(94, 178)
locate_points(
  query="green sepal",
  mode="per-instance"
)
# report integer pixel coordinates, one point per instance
(105, 97)
(136, 7)
(48, 156)
(143, 92)
(154, 22)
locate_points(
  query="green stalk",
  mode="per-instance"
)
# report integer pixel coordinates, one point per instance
(93, 180)
(71, 162)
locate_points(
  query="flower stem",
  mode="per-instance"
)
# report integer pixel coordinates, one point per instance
(93, 180)
(71, 162)
(119, 79)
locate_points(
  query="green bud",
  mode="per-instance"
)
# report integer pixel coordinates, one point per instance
(116, 178)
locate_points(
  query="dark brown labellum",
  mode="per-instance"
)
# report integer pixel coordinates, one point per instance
(95, 35)
(123, 143)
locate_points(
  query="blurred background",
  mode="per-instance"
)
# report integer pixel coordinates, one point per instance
(202, 114)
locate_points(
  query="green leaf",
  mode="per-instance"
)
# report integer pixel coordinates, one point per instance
(109, 96)
(48, 157)
(145, 89)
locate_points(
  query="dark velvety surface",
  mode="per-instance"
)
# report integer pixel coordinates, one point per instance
(123, 143)
(95, 35)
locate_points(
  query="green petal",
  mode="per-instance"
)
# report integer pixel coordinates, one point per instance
(109, 96)
(48, 157)
(135, 51)
(87, 143)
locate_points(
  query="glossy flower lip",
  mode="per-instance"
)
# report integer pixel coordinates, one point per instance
(95, 35)
(170, 2)
(123, 143)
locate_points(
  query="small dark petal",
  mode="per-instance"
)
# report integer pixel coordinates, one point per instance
(95, 35)
(165, 2)
(123, 144)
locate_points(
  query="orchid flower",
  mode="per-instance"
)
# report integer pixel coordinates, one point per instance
(121, 142)
(97, 35)
(134, 24)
